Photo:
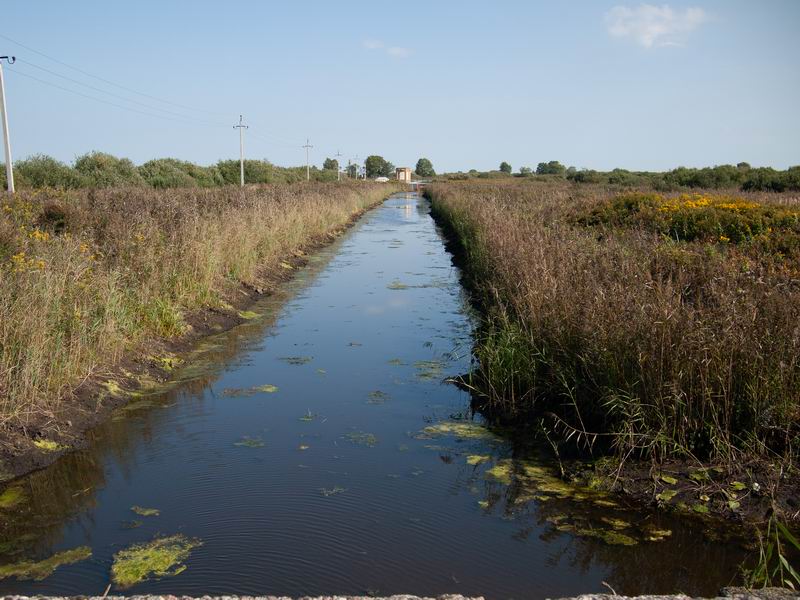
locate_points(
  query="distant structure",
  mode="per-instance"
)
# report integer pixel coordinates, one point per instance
(403, 174)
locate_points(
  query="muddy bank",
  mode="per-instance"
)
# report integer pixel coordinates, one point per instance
(148, 367)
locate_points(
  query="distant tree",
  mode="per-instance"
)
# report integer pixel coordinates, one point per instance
(743, 166)
(331, 164)
(352, 171)
(388, 169)
(424, 168)
(551, 168)
(525, 171)
(377, 166)
(103, 170)
(505, 167)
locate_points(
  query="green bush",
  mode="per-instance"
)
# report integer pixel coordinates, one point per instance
(164, 173)
(40, 171)
(101, 170)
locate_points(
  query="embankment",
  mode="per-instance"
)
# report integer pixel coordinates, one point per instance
(638, 326)
(101, 290)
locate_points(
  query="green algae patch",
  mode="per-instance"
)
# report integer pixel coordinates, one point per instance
(37, 571)
(666, 495)
(250, 442)
(161, 557)
(248, 314)
(251, 391)
(611, 537)
(669, 479)
(334, 491)
(361, 438)
(463, 430)
(48, 445)
(477, 459)
(11, 496)
(429, 369)
(397, 285)
(484, 504)
(615, 523)
(500, 472)
(113, 388)
(145, 512)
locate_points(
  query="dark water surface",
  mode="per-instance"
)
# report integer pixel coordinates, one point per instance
(335, 489)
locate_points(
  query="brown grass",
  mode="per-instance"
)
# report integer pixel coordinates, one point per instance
(87, 275)
(624, 335)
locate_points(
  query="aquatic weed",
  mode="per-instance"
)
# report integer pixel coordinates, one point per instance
(39, 570)
(161, 557)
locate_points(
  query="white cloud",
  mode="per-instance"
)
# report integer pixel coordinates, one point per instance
(652, 25)
(398, 51)
(394, 51)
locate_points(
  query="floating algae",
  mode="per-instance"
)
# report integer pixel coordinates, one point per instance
(296, 360)
(500, 472)
(327, 492)
(251, 391)
(666, 495)
(248, 314)
(653, 534)
(611, 537)
(11, 496)
(248, 442)
(145, 512)
(395, 362)
(476, 459)
(161, 557)
(429, 369)
(36, 571)
(463, 430)
(48, 445)
(397, 285)
(361, 438)
(377, 397)
(132, 524)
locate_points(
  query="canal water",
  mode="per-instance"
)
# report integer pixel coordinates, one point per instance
(317, 449)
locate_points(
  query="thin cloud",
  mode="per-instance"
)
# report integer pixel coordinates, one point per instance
(650, 25)
(393, 51)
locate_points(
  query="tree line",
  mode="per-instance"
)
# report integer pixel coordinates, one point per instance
(741, 176)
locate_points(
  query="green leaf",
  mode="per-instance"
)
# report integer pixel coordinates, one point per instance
(669, 479)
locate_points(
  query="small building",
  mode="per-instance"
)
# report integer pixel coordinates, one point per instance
(403, 174)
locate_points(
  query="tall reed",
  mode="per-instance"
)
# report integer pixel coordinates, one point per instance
(87, 275)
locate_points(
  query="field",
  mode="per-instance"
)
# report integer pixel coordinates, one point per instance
(633, 323)
(87, 276)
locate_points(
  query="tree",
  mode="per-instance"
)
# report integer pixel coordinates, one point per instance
(331, 164)
(424, 168)
(352, 171)
(505, 167)
(551, 168)
(377, 166)
(525, 171)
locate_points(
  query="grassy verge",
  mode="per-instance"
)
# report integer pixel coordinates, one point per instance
(638, 324)
(86, 276)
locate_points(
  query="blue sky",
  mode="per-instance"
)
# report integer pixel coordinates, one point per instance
(467, 84)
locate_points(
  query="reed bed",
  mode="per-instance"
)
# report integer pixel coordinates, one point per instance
(86, 275)
(649, 325)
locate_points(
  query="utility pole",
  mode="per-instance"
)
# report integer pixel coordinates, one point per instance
(308, 146)
(241, 127)
(4, 118)
(338, 167)
(357, 166)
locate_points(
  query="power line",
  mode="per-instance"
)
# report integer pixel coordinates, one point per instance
(123, 98)
(128, 108)
(122, 87)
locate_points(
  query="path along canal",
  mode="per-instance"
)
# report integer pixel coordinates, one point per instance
(358, 472)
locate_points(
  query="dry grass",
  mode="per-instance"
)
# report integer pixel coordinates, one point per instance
(626, 335)
(86, 275)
